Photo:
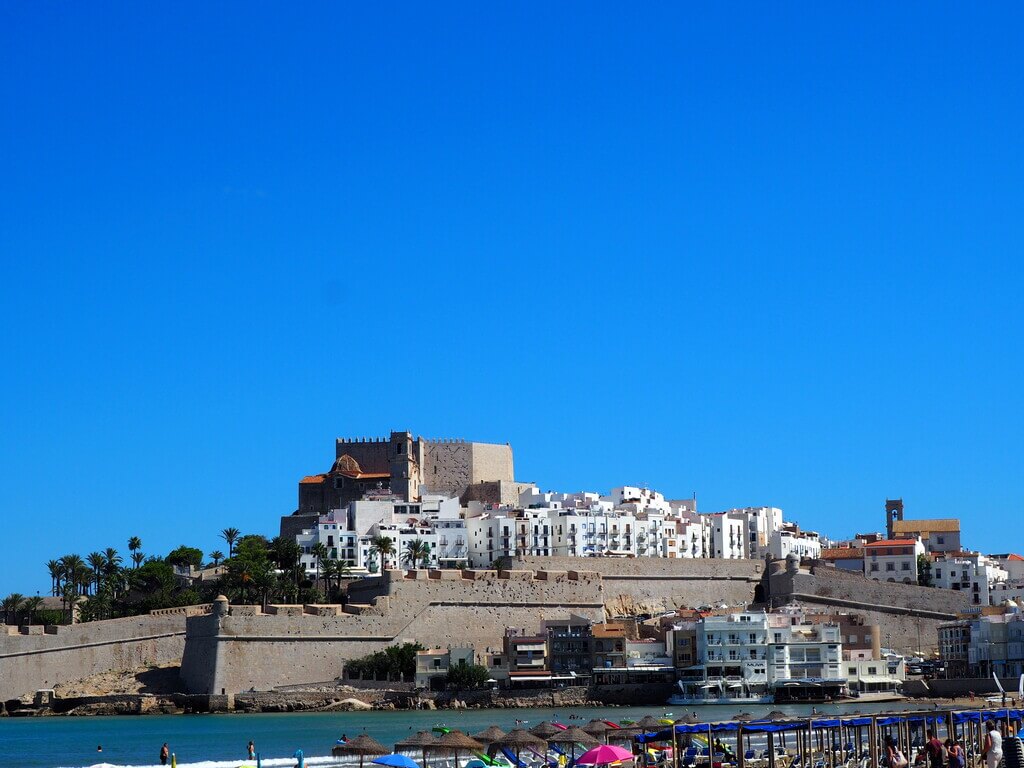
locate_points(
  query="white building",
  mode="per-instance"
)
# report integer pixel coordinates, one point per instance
(733, 652)
(892, 560)
(790, 540)
(347, 532)
(969, 572)
(729, 535)
(803, 653)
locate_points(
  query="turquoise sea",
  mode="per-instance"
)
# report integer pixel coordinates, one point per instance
(219, 741)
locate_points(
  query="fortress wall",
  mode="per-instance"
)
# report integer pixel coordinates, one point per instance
(907, 615)
(373, 454)
(447, 467)
(652, 585)
(247, 649)
(492, 462)
(31, 662)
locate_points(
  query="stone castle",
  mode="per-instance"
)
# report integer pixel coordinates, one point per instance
(405, 466)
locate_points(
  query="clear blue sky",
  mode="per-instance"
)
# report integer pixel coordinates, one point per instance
(768, 255)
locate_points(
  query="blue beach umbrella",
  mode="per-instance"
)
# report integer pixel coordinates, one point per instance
(396, 761)
(299, 757)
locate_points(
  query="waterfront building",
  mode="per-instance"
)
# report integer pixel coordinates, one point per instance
(732, 652)
(433, 665)
(996, 644)
(804, 657)
(954, 644)
(570, 647)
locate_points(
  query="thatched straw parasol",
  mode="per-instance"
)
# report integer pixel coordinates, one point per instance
(543, 730)
(598, 729)
(776, 714)
(489, 735)
(519, 739)
(573, 736)
(648, 723)
(421, 740)
(687, 720)
(743, 717)
(361, 745)
(456, 741)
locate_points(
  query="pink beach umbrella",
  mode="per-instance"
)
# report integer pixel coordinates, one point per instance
(603, 755)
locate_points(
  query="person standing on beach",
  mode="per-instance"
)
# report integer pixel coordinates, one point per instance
(165, 752)
(935, 751)
(993, 751)
(252, 750)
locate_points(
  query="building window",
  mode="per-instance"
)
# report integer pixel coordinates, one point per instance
(941, 539)
(890, 566)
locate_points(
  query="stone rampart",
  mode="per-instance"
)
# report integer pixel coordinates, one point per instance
(907, 615)
(29, 662)
(250, 649)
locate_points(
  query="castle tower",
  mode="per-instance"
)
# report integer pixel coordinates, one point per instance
(893, 512)
(405, 466)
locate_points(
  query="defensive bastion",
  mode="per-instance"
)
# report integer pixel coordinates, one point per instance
(236, 648)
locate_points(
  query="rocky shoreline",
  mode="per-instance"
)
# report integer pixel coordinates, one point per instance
(341, 698)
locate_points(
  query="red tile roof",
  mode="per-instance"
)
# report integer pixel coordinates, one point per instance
(312, 479)
(892, 543)
(842, 553)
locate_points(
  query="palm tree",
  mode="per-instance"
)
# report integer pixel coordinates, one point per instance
(97, 561)
(216, 556)
(230, 535)
(54, 568)
(112, 561)
(137, 558)
(383, 546)
(330, 569)
(11, 605)
(425, 556)
(32, 606)
(135, 544)
(320, 553)
(415, 551)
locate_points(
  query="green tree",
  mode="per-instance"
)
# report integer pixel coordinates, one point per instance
(134, 545)
(230, 535)
(924, 570)
(383, 547)
(465, 677)
(249, 568)
(56, 575)
(320, 554)
(112, 561)
(138, 558)
(216, 556)
(11, 605)
(96, 561)
(185, 556)
(32, 607)
(396, 662)
(416, 552)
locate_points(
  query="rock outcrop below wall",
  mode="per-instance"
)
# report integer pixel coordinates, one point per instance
(43, 657)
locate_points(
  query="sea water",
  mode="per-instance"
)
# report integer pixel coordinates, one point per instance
(220, 741)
